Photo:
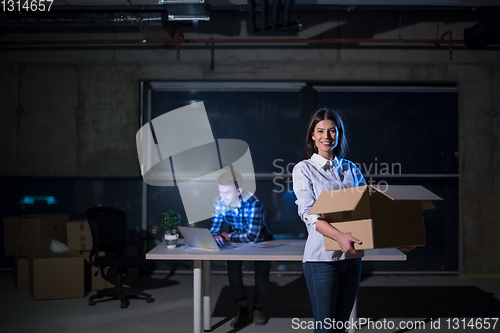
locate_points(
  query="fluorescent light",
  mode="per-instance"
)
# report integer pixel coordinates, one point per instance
(187, 12)
(187, 18)
(164, 2)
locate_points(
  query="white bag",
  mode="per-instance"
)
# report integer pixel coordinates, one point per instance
(57, 246)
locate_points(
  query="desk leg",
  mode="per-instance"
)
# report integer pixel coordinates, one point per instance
(207, 313)
(197, 296)
(354, 316)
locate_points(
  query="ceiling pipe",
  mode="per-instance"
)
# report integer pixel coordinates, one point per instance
(81, 18)
(179, 40)
(173, 41)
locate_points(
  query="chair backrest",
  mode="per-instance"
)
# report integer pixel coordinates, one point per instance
(108, 226)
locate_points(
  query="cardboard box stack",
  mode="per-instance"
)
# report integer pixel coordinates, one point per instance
(381, 217)
(79, 236)
(56, 275)
(31, 234)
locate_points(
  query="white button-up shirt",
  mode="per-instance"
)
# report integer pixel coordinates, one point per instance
(310, 178)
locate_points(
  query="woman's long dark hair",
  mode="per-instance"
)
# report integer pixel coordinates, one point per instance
(325, 113)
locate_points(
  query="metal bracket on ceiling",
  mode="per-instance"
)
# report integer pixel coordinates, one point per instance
(179, 39)
(400, 23)
(450, 42)
(144, 29)
(212, 51)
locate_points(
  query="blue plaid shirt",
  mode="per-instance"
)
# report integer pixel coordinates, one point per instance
(248, 221)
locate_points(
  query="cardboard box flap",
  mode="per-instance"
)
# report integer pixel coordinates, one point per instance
(406, 192)
(52, 255)
(338, 200)
(427, 204)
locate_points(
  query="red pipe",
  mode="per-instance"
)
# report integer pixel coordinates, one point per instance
(208, 41)
(179, 40)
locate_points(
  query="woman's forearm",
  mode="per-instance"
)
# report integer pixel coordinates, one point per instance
(345, 241)
(326, 229)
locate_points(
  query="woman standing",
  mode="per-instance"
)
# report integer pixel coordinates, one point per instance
(332, 277)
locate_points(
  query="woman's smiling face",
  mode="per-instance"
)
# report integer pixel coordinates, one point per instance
(325, 136)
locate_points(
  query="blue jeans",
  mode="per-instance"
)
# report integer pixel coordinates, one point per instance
(235, 274)
(333, 287)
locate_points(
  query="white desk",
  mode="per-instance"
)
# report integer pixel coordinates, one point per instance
(279, 250)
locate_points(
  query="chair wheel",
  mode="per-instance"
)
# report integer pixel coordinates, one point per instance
(123, 305)
(150, 300)
(91, 302)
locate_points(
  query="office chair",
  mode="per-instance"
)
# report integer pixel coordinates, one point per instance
(108, 226)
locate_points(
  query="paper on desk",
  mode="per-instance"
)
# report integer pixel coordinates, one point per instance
(296, 244)
(268, 245)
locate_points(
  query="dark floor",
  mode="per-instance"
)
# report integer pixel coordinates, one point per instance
(402, 299)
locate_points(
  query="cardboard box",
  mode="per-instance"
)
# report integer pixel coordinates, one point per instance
(27, 234)
(106, 277)
(79, 236)
(56, 275)
(22, 274)
(381, 217)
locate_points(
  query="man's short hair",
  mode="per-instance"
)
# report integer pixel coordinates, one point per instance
(227, 179)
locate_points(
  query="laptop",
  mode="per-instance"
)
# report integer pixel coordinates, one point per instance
(200, 238)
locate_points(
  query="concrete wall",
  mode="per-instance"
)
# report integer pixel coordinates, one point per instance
(69, 120)
(75, 112)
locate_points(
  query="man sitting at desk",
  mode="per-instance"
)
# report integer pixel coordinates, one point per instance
(246, 217)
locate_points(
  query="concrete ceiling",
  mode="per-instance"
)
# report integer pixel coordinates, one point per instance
(226, 15)
(237, 3)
